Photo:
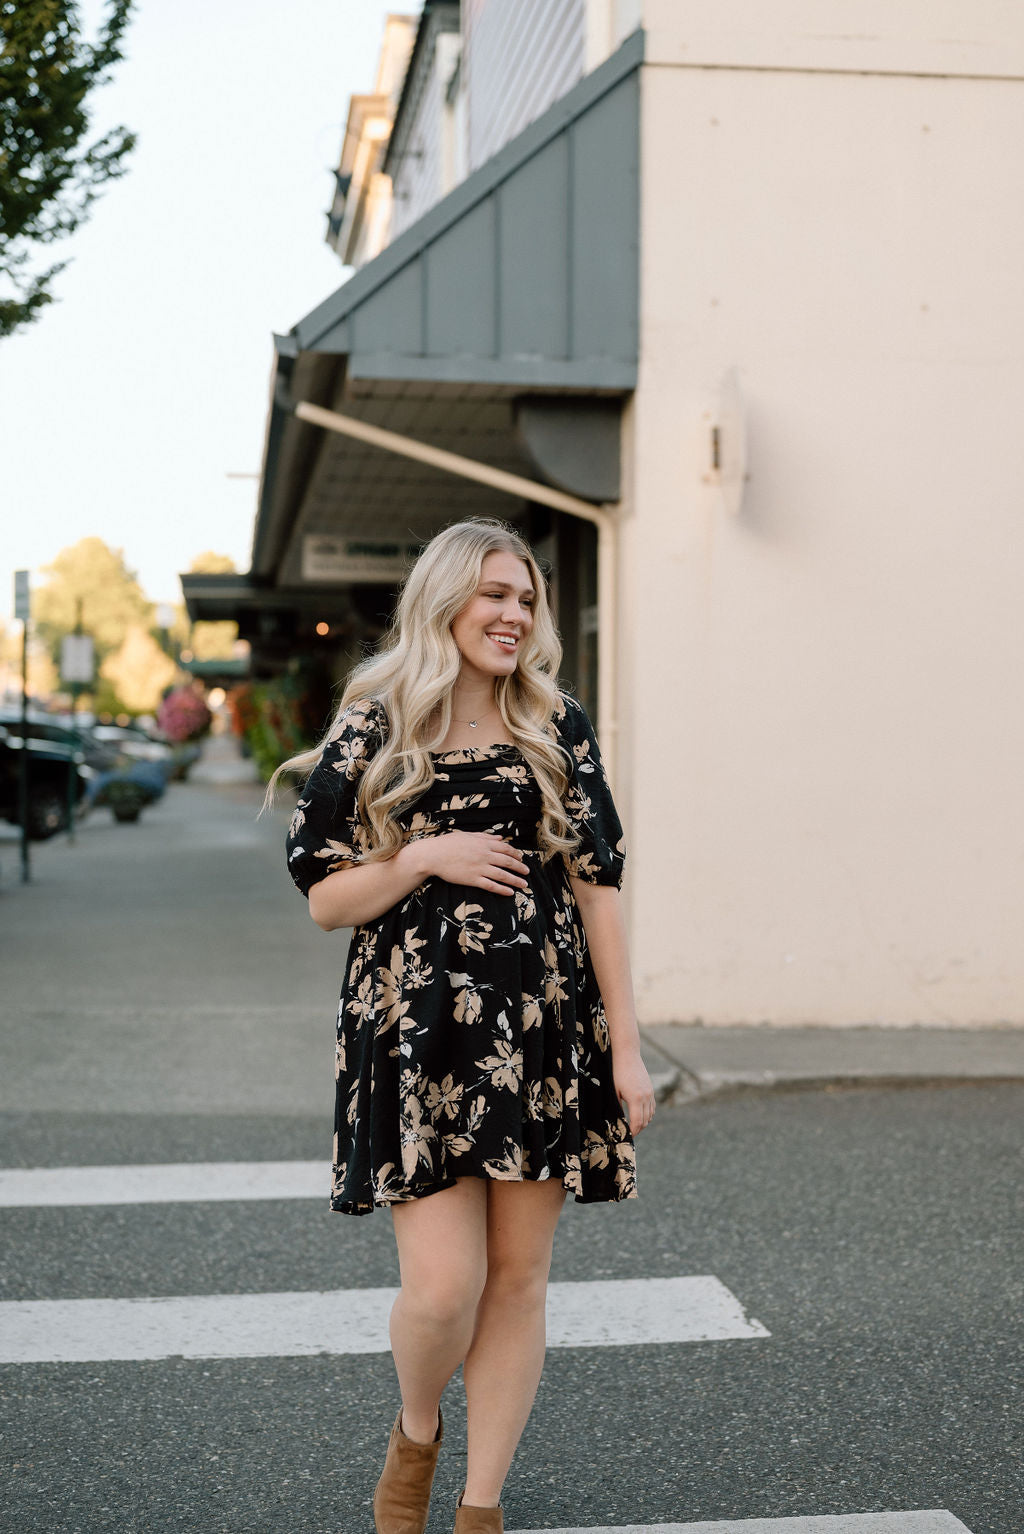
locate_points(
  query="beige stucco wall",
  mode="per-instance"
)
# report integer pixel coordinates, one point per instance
(822, 752)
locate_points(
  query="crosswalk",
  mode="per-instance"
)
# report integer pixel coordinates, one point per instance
(922, 1522)
(198, 1182)
(615, 1313)
(584, 1315)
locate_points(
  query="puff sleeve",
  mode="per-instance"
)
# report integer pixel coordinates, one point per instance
(326, 832)
(600, 856)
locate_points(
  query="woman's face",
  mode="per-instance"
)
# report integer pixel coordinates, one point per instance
(490, 629)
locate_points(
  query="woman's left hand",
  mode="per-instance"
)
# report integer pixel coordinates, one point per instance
(633, 1089)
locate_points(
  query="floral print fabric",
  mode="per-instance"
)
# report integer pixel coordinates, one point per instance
(471, 1036)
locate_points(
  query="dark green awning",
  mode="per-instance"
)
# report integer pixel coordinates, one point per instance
(520, 286)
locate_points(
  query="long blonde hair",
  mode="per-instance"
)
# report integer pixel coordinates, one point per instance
(413, 675)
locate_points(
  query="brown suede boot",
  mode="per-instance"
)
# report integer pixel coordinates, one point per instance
(401, 1501)
(478, 1520)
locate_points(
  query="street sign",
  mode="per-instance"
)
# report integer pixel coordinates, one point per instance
(327, 558)
(21, 596)
(76, 658)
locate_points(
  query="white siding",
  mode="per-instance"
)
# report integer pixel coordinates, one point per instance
(421, 175)
(519, 56)
(840, 699)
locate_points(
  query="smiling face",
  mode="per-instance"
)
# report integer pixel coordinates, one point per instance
(492, 626)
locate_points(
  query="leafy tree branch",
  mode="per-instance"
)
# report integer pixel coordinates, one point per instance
(48, 178)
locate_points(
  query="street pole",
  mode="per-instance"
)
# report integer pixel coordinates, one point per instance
(72, 762)
(77, 664)
(22, 602)
(26, 872)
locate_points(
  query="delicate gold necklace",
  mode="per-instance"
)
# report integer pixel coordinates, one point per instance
(474, 722)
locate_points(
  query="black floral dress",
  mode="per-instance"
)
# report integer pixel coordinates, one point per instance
(472, 1038)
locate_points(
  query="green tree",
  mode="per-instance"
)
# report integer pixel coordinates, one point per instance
(139, 671)
(212, 563)
(48, 178)
(112, 599)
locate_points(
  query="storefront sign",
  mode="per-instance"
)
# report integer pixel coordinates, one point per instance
(327, 558)
(76, 658)
(21, 596)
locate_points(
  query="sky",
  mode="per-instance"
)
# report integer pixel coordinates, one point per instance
(126, 406)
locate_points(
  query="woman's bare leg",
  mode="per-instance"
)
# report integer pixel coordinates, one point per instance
(442, 1254)
(503, 1366)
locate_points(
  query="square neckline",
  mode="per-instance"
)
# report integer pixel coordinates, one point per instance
(498, 745)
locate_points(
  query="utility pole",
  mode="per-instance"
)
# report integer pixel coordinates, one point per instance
(76, 667)
(22, 607)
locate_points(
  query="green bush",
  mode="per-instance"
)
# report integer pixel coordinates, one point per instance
(285, 716)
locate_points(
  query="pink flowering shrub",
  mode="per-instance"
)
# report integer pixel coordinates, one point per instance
(183, 715)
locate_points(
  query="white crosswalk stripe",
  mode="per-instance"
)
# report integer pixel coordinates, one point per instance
(921, 1522)
(182, 1182)
(614, 1313)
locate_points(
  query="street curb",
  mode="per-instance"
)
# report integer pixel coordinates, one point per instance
(666, 1076)
(679, 1078)
(697, 1088)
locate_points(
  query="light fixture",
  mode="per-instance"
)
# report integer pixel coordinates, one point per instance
(725, 420)
(323, 628)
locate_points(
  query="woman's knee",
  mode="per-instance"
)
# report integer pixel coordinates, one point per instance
(442, 1298)
(517, 1284)
(442, 1252)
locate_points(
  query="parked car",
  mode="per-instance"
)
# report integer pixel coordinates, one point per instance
(130, 740)
(50, 761)
(46, 727)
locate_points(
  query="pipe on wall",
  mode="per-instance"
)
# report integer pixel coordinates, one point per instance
(525, 489)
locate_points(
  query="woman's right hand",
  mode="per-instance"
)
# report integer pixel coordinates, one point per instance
(477, 858)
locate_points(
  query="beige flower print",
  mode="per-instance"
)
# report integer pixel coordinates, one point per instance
(418, 973)
(351, 748)
(554, 980)
(469, 1002)
(387, 1185)
(444, 1097)
(505, 1066)
(551, 1100)
(473, 930)
(420, 825)
(532, 1013)
(533, 1107)
(389, 992)
(476, 1113)
(595, 1151)
(510, 1167)
(416, 1137)
(458, 1145)
(360, 1002)
(572, 1177)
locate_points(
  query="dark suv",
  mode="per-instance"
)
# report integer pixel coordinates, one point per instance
(52, 754)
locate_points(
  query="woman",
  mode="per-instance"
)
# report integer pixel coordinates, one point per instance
(458, 819)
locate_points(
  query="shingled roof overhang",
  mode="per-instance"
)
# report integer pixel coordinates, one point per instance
(521, 284)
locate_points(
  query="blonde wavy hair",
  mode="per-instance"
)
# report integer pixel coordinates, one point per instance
(412, 677)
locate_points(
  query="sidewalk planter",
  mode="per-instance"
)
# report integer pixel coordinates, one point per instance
(282, 717)
(183, 718)
(127, 791)
(125, 798)
(184, 758)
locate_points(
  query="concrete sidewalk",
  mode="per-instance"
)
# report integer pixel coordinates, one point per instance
(689, 1061)
(170, 966)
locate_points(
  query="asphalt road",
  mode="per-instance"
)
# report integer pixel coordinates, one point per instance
(876, 1234)
(171, 1002)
